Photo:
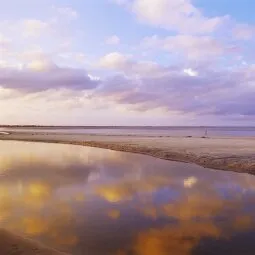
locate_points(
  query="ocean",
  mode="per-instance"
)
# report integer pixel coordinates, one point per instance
(144, 131)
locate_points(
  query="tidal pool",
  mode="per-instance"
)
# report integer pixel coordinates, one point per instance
(90, 201)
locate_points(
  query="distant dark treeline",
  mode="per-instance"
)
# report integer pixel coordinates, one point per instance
(99, 127)
(89, 127)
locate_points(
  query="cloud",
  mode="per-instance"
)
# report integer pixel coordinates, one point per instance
(41, 76)
(125, 63)
(141, 85)
(115, 60)
(34, 27)
(34, 53)
(67, 12)
(41, 65)
(243, 32)
(59, 26)
(6, 94)
(189, 46)
(193, 86)
(4, 43)
(190, 72)
(112, 40)
(176, 15)
(205, 91)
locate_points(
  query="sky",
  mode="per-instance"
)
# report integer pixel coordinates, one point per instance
(127, 62)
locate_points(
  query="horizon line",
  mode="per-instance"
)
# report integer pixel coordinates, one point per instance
(117, 126)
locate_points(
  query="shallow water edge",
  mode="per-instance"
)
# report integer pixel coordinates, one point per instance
(11, 243)
(216, 153)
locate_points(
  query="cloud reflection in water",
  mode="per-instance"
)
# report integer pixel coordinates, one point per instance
(105, 202)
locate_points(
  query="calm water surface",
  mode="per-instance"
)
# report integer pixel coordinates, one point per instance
(147, 131)
(99, 202)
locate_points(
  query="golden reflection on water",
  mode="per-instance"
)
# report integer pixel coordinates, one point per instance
(177, 240)
(114, 214)
(195, 213)
(105, 202)
(126, 189)
(182, 238)
(23, 213)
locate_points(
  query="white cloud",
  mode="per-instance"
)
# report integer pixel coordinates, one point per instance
(4, 43)
(35, 50)
(41, 65)
(67, 12)
(112, 40)
(33, 54)
(190, 46)
(190, 72)
(243, 32)
(93, 78)
(34, 27)
(8, 93)
(115, 60)
(124, 63)
(80, 57)
(176, 15)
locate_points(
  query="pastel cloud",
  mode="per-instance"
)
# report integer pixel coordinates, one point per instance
(119, 62)
(176, 15)
(143, 86)
(192, 47)
(199, 67)
(200, 91)
(67, 12)
(34, 27)
(42, 76)
(4, 42)
(112, 40)
(244, 31)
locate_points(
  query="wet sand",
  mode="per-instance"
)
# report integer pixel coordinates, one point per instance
(223, 153)
(11, 244)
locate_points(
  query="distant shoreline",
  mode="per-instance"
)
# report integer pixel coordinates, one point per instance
(152, 131)
(121, 127)
(232, 154)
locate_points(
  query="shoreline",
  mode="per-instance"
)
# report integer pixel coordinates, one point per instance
(231, 154)
(11, 243)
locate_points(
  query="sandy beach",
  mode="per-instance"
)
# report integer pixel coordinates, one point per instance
(223, 153)
(11, 244)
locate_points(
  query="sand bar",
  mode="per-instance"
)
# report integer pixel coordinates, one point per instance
(225, 153)
(4, 133)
